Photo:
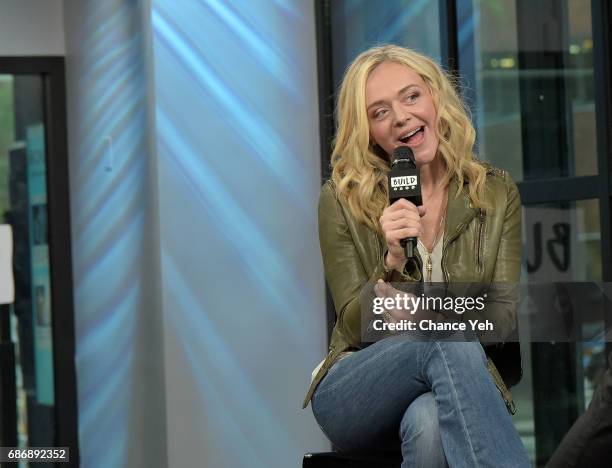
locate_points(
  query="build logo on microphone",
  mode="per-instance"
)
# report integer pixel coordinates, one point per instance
(404, 182)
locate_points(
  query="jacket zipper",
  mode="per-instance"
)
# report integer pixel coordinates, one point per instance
(456, 234)
(452, 238)
(379, 248)
(481, 222)
(444, 247)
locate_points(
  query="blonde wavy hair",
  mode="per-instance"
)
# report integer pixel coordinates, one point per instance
(360, 174)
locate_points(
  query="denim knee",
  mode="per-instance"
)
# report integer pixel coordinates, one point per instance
(465, 351)
(420, 434)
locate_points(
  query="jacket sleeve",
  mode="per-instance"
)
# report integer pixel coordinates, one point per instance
(344, 271)
(508, 264)
(503, 296)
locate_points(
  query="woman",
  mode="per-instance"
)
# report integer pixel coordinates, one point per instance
(437, 399)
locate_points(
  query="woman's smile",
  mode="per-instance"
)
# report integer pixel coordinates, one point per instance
(413, 138)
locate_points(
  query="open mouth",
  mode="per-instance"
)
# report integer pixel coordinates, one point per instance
(414, 137)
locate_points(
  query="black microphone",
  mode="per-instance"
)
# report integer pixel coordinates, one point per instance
(405, 182)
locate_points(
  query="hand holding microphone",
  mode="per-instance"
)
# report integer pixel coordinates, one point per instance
(401, 221)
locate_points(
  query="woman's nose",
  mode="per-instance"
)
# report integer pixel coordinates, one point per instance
(401, 115)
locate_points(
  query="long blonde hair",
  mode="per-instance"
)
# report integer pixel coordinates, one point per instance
(360, 174)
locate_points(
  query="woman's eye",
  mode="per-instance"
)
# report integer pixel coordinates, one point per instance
(379, 114)
(411, 97)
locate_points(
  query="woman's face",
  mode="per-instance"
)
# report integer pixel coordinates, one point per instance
(401, 111)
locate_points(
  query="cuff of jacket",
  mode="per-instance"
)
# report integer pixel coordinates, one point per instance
(410, 273)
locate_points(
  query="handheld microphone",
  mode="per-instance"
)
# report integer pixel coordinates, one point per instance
(405, 182)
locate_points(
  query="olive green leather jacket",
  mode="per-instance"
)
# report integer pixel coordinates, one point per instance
(479, 246)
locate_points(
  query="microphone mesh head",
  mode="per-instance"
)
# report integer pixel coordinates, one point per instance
(402, 152)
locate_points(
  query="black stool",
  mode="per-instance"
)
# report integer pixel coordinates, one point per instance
(352, 460)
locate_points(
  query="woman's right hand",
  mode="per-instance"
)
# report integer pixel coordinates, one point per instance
(400, 220)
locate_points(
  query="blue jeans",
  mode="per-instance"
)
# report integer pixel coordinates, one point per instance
(435, 400)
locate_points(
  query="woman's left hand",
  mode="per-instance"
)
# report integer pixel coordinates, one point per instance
(401, 298)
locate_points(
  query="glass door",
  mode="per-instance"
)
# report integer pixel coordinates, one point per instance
(23, 206)
(530, 71)
(37, 376)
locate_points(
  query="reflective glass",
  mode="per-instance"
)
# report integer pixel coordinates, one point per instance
(561, 244)
(23, 205)
(528, 74)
